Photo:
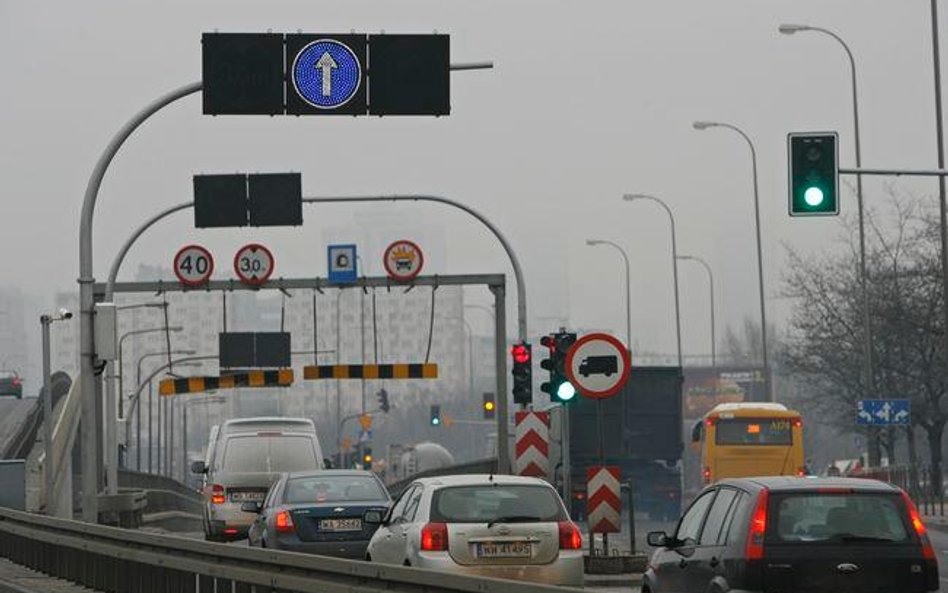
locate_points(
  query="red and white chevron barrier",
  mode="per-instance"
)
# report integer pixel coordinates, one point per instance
(533, 444)
(604, 507)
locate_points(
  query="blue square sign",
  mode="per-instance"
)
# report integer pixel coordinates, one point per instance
(884, 412)
(342, 263)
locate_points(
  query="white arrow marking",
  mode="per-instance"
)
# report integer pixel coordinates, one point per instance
(327, 64)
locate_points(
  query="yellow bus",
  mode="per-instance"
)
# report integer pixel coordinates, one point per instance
(749, 439)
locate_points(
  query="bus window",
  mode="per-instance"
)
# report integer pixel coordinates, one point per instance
(754, 431)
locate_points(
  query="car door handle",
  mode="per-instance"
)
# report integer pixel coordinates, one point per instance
(714, 561)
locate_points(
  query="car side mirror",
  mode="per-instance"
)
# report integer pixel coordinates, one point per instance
(251, 506)
(373, 517)
(327, 463)
(658, 539)
(696, 431)
(198, 467)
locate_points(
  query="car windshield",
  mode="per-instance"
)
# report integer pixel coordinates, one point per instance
(484, 504)
(753, 431)
(334, 489)
(838, 517)
(268, 454)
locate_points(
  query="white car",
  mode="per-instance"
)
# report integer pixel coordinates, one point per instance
(507, 527)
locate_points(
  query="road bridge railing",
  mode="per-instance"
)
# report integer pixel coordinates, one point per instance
(113, 559)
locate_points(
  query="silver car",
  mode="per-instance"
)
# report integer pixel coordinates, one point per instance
(508, 527)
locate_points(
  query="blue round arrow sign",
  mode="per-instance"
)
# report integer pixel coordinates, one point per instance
(326, 73)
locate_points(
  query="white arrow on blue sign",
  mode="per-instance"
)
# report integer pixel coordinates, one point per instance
(884, 412)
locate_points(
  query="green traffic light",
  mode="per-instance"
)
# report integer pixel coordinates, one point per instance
(813, 196)
(565, 392)
(435, 421)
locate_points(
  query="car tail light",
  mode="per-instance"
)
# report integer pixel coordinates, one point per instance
(284, 522)
(434, 537)
(928, 552)
(758, 526)
(16, 382)
(217, 494)
(570, 538)
(801, 471)
(230, 531)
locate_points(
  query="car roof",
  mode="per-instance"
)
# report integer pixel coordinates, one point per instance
(328, 473)
(479, 479)
(804, 484)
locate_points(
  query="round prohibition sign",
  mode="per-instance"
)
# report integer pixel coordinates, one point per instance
(598, 365)
(403, 260)
(193, 265)
(253, 264)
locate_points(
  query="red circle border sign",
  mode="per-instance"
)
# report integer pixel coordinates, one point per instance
(393, 274)
(626, 369)
(210, 267)
(253, 281)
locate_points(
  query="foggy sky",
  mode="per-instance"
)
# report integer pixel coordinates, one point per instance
(587, 101)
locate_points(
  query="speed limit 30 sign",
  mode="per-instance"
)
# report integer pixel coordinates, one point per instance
(253, 264)
(193, 265)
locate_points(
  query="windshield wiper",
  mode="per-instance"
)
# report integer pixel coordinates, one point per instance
(513, 519)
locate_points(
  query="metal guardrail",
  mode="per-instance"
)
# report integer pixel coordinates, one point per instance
(127, 561)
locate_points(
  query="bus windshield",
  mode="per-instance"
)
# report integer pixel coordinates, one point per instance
(753, 431)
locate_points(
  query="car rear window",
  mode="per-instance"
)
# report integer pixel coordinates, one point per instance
(753, 431)
(333, 489)
(837, 517)
(269, 454)
(480, 504)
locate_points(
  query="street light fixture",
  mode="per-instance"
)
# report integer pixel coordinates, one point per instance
(790, 29)
(628, 281)
(704, 125)
(671, 220)
(707, 268)
(134, 403)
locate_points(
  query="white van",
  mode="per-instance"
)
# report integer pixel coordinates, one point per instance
(244, 458)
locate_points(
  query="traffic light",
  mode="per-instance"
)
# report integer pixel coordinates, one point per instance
(367, 456)
(490, 406)
(435, 415)
(559, 387)
(814, 174)
(383, 401)
(522, 373)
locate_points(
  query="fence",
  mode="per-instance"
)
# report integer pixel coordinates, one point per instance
(916, 480)
(111, 559)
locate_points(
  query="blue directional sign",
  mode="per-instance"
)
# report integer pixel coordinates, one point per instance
(326, 73)
(884, 412)
(342, 263)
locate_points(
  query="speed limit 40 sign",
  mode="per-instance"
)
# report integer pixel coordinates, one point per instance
(193, 265)
(253, 264)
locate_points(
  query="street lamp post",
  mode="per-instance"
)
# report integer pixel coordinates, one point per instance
(671, 220)
(868, 372)
(628, 290)
(48, 469)
(703, 125)
(133, 333)
(707, 268)
(138, 409)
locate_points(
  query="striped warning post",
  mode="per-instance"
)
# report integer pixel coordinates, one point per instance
(279, 378)
(532, 444)
(371, 371)
(604, 507)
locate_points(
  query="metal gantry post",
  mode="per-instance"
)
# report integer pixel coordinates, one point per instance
(500, 348)
(48, 464)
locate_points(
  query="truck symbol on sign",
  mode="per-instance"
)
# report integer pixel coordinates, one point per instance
(404, 258)
(599, 365)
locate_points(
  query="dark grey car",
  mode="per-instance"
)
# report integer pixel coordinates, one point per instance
(10, 384)
(320, 512)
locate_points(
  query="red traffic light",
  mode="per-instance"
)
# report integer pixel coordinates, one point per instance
(521, 353)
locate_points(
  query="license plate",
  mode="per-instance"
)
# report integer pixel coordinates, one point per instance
(503, 550)
(341, 524)
(248, 496)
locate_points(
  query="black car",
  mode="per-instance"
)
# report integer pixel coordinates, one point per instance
(799, 535)
(320, 512)
(10, 384)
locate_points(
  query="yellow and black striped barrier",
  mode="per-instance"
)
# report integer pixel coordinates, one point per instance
(280, 378)
(428, 370)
